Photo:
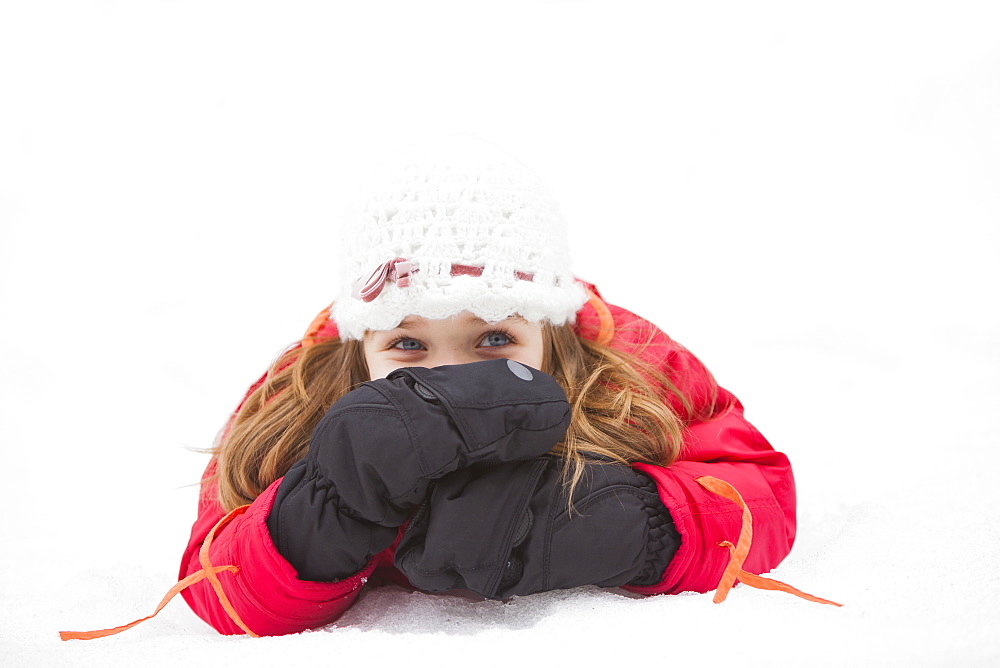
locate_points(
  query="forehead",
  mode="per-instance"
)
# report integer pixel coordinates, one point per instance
(464, 319)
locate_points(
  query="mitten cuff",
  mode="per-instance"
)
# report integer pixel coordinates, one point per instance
(663, 538)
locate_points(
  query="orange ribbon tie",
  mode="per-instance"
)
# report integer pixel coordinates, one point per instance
(738, 553)
(207, 571)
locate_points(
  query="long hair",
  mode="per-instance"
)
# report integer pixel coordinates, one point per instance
(619, 409)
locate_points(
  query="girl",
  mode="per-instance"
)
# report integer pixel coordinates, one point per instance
(468, 415)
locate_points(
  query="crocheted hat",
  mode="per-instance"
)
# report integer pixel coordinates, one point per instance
(450, 226)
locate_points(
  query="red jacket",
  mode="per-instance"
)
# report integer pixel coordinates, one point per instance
(271, 600)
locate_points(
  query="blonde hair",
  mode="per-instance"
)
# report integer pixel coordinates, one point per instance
(620, 409)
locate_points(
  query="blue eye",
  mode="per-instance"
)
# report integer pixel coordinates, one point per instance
(407, 344)
(496, 339)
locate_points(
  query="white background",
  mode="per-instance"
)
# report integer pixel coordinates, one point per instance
(804, 194)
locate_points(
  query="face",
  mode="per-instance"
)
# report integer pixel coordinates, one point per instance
(460, 339)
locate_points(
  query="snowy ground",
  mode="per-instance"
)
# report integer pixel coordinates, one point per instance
(806, 197)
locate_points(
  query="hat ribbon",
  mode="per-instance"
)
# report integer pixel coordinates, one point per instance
(397, 270)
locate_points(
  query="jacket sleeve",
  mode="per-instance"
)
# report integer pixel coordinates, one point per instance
(731, 449)
(264, 592)
(720, 443)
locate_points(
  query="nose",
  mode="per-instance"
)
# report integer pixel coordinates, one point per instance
(450, 357)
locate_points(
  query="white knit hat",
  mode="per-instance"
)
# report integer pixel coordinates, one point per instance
(449, 226)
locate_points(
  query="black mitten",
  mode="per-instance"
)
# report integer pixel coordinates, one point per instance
(373, 455)
(505, 530)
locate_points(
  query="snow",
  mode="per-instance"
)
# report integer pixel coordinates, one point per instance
(803, 194)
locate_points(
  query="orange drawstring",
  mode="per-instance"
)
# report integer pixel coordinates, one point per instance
(607, 330)
(212, 573)
(738, 553)
(207, 571)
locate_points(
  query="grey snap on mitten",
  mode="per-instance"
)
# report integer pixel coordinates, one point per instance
(381, 444)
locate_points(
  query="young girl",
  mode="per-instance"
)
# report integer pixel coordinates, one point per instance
(468, 415)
